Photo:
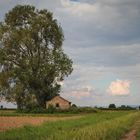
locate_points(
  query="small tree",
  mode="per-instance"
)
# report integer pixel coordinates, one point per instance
(1, 107)
(32, 61)
(123, 107)
(112, 106)
(74, 106)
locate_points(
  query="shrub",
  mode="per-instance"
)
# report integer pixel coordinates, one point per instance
(51, 109)
(112, 106)
(74, 105)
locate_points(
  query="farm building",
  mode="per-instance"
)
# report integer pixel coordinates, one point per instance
(58, 102)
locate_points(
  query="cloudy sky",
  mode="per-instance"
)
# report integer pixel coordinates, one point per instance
(103, 39)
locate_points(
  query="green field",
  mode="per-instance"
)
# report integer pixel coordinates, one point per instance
(109, 125)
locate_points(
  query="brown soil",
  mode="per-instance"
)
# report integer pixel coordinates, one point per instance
(131, 135)
(13, 122)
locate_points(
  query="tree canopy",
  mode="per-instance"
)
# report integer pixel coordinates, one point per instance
(32, 60)
(112, 106)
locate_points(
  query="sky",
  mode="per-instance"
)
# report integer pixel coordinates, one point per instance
(102, 37)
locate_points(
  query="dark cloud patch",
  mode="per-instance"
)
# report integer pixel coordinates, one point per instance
(108, 56)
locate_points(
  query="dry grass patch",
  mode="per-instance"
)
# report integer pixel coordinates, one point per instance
(13, 122)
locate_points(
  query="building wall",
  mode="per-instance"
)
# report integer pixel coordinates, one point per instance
(58, 100)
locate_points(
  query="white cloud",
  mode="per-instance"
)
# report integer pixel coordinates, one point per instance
(78, 7)
(119, 87)
(84, 92)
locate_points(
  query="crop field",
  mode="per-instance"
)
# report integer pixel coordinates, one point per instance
(104, 125)
(13, 122)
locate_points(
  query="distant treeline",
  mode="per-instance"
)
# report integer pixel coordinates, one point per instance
(75, 109)
(122, 107)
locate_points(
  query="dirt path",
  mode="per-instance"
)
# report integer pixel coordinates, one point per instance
(13, 122)
(131, 135)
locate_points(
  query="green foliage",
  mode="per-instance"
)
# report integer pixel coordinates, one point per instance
(51, 109)
(83, 110)
(35, 112)
(74, 105)
(32, 61)
(37, 109)
(112, 106)
(123, 107)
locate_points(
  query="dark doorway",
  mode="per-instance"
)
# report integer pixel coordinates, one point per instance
(57, 104)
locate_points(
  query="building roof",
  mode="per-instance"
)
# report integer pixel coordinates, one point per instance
(59, 97)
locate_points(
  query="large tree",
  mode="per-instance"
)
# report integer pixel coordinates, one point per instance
(32, 61)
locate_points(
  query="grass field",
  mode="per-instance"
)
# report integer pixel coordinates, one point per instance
(109, 125)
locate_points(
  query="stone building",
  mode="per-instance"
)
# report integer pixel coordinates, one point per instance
(58, 102)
